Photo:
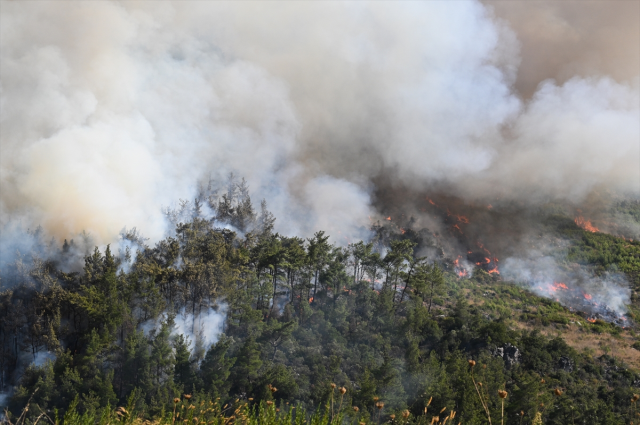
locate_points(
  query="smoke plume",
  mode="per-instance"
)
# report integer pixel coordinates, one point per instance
(111, 110)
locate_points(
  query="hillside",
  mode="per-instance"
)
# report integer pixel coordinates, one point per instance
(300, 315)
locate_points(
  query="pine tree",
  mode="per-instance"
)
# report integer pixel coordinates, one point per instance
(266, 220)
(216, 368)
(161, 358)
(136, 366)
(244, 372)
(318, 255)
(183, 373)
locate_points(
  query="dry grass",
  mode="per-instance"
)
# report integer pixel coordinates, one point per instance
(581, 339)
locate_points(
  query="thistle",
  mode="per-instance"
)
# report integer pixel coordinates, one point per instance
(502, 394)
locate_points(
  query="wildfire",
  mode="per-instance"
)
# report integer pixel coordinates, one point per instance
(431, 202)
(389, 218)
(587, 296)
(461, 218)
(586, 224)
(556, 286)
(310, 300)
(481, 246)
(591, 320)
(460, 271)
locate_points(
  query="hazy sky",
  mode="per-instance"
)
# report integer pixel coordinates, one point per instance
(562, 39)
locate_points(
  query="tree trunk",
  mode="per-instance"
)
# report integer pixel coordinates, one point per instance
(355, 271)
(405, 286)
(431, 296)
(315, 286)
(395, 285)
(273, 299)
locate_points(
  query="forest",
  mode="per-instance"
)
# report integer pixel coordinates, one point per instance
(267, 318)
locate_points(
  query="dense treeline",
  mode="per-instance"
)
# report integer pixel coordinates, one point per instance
(301, 314)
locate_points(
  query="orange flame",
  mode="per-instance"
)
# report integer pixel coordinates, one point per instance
(556, 286)
(389, 218)
(461, 218)
(587, 296)
(458, 269)
(586, 224)
(560, 285)
(310, 300)
(495, 266)
(591, 320)
(481, 246)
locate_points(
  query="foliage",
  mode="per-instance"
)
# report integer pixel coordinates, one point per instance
(387, 325)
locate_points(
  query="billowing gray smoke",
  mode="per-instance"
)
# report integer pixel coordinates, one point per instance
(111, 110)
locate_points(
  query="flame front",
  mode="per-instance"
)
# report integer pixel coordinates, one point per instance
(586, 224)
(460, 271)
(461, 218)
(556, 286)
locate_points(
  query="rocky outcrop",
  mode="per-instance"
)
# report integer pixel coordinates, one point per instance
(509, 353)
(565, 364)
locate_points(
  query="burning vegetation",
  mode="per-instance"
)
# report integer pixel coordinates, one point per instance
(472, 238)
(586, 224)
(476, 246)
(413, 295)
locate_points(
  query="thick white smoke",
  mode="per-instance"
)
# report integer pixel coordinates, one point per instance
(204, 328)
(111, 110)
(607, 295)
